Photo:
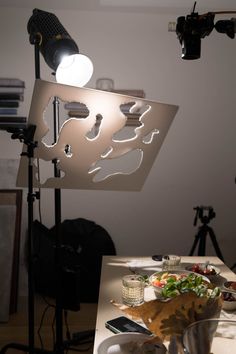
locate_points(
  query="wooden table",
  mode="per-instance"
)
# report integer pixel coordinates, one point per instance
(115, 267)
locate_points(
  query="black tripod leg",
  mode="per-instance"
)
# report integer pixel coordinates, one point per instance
(202, 242)
(201, 238)
(215, 243)
(194, 245)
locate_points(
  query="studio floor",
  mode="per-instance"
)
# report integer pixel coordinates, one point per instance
(16, 329)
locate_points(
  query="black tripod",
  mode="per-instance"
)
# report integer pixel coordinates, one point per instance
(203, 231)
(26, 135)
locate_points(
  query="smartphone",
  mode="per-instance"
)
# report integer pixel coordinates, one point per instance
(123, 324)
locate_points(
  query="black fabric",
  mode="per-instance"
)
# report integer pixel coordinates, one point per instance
(83, 244)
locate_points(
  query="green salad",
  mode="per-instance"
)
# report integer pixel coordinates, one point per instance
(173, 285)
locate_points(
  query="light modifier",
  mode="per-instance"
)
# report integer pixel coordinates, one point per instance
(74, 70)
(55, 44)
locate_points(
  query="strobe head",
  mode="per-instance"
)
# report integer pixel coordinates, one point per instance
(58, 49)
(55, 41)
(190, 30)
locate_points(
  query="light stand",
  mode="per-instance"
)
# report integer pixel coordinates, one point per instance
(27, 136)
(50, 38)
(60, 344)
(35, 40)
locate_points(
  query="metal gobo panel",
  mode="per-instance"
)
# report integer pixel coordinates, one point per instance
(102, 160)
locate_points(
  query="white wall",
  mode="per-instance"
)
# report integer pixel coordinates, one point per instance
(196, 165)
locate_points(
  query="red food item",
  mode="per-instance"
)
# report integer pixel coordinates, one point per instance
(228, 296)
(157, 283)
(196, 268)
(209, 271)
(233, 285)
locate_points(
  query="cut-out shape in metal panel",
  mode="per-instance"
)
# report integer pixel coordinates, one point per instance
(82, 156)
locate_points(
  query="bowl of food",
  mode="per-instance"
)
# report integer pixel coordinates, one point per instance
(170, 284)
(230, 286)
(131, 342)
(208, 270)
(229, 300)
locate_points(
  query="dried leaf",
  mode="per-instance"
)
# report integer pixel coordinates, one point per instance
(168, 318)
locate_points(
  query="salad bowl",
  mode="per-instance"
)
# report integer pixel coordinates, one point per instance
(170, 284)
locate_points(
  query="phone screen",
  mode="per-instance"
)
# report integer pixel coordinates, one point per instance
(123, 324)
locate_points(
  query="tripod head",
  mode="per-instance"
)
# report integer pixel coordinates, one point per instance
(205, 214)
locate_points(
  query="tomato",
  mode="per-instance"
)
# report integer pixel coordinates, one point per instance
(157, 282)
(197, 269)
(233, 286)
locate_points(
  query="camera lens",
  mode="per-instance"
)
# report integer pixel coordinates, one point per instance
(191, 46)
